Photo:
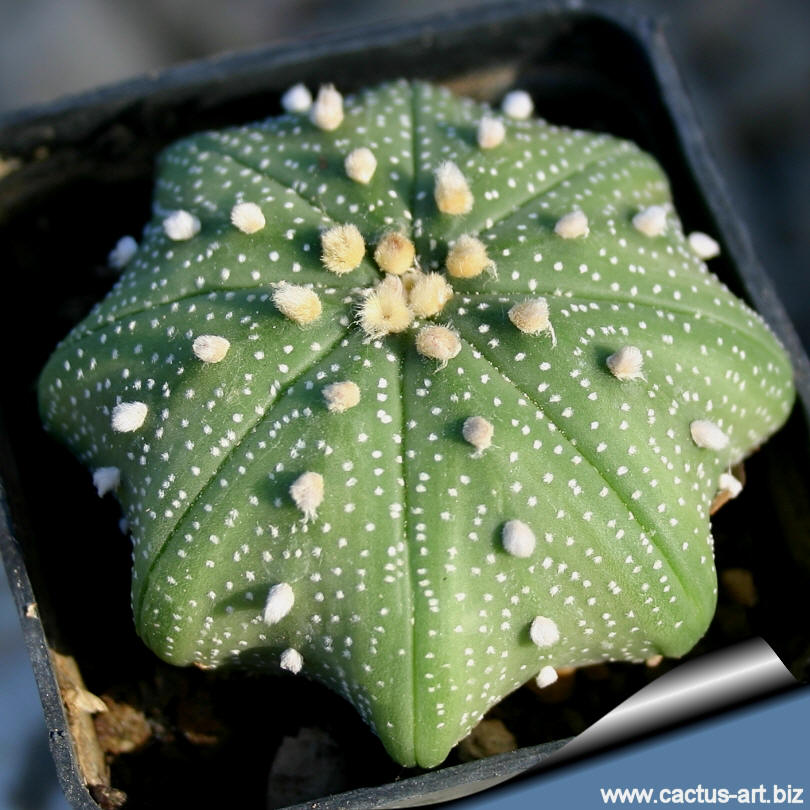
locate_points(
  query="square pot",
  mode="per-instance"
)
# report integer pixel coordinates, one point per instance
(85, 178)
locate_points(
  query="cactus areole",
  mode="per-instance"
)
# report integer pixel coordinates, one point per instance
(421, 505)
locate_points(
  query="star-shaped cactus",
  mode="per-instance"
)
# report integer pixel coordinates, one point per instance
(418, 400)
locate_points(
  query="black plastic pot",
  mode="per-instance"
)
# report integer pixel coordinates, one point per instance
(85, 179)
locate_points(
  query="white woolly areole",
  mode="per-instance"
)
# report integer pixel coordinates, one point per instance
(291, 660)
(703, 246)
(517, 104)
(572, 226)
(307, 493)
(478, 432)
(491, 132)
(299, 304)
(297, 99)
(385, 309)
(360, 164)
(626, 364)
(428, 294)
(544, 631)
(546, 677)
(518, 539)
(438, 343)
(210, 348)
(181, 225)
(730, 484)
(121, 255)
(106, 479)
(467, 258)
(531, 316)
(128, 416)
(340, 396)
(651, 221)
(342, 248)
(452, 192)
(327, 111)
(708, 435)
(248, 217)
(394, 253)
(280, 601)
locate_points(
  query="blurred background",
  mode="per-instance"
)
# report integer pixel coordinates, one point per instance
(746, 64)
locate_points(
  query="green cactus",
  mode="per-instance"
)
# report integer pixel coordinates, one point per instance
(425, 486)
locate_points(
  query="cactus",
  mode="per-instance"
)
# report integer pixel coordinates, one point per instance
(419, 400)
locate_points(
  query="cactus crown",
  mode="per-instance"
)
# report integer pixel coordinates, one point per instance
(418, 400)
